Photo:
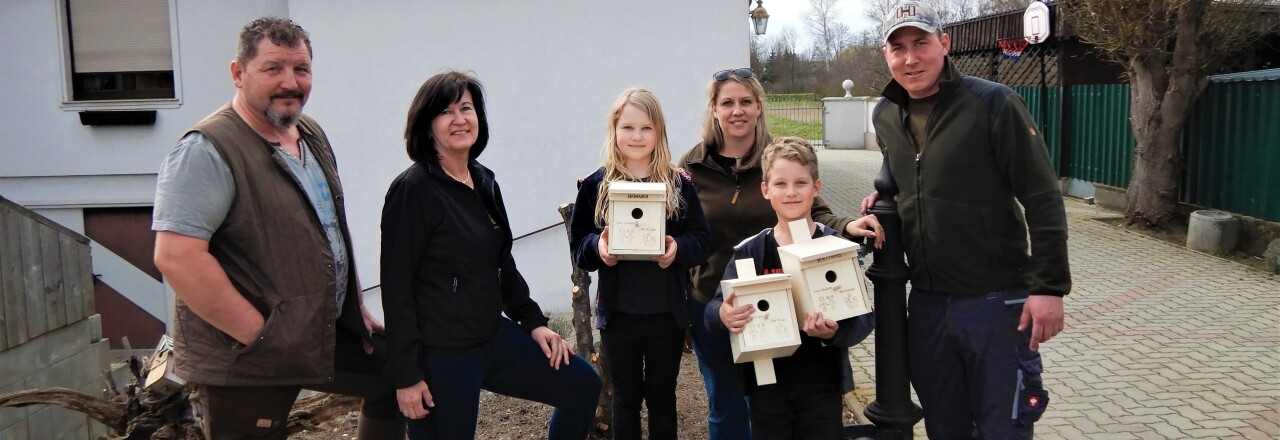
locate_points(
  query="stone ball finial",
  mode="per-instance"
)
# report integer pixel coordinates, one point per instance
(848, 88)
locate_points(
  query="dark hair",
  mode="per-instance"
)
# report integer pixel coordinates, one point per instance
(433, 97)
(281, 31)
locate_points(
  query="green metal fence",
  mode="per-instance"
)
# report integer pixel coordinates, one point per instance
(1232, 149)
(1101, 143)
(1045, 105)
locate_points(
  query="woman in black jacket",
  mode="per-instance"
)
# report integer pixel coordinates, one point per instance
(448, 276)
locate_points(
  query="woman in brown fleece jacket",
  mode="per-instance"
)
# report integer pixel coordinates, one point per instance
(726, 170)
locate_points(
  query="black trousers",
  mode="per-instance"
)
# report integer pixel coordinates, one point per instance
(797, 411)
(643, 352)
(251, 412)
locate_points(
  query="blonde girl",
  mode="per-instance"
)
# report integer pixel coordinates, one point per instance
(640, 304)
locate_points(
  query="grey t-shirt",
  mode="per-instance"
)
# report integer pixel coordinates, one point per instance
(194, 191)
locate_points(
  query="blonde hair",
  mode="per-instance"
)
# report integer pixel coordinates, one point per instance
(660, 167)
(793, 149)
(713, 135)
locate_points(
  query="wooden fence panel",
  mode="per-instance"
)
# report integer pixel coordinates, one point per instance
(4, 244)
(55, 311)
(37, 322)
(86, 279)
(72, 286)
(15, 304)
(46, 278)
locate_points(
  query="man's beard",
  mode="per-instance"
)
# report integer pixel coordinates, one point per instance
(282, 121)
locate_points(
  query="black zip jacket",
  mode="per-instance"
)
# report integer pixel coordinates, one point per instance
(735, 210)
(688, 229)
(963, 230)
(812, 350)
(447, 269)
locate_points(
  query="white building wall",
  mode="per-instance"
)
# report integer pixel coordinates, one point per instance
(47, 159)
(550, 70)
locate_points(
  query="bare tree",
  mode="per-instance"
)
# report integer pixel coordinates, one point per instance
(786, 41)
(1167, 48)
(877, 10)
(759, 51)
(783, 68)
(949, 11)
(863, 63)
(822, 21)
(985, 7)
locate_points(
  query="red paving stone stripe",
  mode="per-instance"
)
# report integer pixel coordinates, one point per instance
(1171, 334)
(1265, 426)
(1117, 301)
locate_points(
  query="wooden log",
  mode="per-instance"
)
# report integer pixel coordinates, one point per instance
(311, 412)
(103, 411)
(583, 333)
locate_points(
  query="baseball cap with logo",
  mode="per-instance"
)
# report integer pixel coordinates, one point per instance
(909, 13)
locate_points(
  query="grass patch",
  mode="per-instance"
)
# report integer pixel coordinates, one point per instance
(562, 324)
(779, 126)
(793, 104)
(779, 97)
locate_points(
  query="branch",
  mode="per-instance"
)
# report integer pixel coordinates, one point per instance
(105, 412)
(314, 411)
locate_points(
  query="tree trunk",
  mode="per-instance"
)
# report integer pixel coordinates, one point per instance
(1157, 163)
(584, 336)
(1164, 87)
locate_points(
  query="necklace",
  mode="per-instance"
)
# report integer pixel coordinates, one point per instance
(462, 181)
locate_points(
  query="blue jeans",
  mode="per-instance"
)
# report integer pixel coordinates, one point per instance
(973, 370)
(511, 364)
(728, 417)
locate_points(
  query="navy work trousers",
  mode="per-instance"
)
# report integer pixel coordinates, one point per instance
(974, 371)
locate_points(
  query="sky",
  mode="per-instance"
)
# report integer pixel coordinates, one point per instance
(789, 13)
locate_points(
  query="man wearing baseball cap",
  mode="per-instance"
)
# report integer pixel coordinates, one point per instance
(964, 153)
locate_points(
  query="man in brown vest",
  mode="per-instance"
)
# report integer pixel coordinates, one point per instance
(251, 233)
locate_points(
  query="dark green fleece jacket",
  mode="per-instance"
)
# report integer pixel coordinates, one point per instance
(959, 194)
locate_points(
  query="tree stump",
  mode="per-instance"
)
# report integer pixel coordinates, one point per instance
(584, 337)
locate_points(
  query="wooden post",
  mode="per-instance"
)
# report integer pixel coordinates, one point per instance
(583, 335)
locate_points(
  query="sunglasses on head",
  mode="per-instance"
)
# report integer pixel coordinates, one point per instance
(741, 72)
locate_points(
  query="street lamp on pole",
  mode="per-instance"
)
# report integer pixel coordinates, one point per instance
(759, 17)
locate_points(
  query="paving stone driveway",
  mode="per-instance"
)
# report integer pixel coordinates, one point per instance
(1161, 342)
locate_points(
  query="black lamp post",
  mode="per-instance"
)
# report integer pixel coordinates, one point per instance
(893, 412)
